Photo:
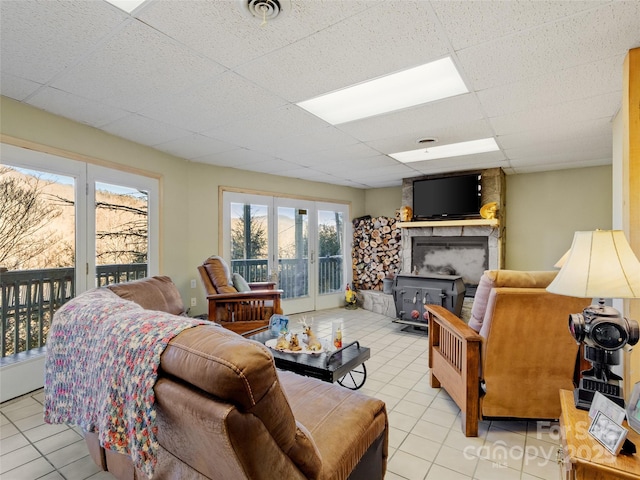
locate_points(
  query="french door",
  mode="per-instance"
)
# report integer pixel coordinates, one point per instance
(90, 226)
(297, 242)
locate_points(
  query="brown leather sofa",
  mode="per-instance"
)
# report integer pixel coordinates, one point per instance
(515, 354)
(225, 412)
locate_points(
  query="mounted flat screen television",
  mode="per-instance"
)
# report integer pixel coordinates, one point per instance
(447, 198)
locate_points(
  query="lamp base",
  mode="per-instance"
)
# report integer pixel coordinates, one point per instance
(583, 395)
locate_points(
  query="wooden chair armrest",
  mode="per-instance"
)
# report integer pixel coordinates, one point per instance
(262, 285)
(244, 296)
(450, 321)
(454, 363)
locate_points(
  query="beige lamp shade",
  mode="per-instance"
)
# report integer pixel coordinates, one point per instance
(563, 259)
(600, 264)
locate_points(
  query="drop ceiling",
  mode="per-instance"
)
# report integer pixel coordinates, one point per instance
(205, 81)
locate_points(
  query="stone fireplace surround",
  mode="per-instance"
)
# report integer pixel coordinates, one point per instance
(493, 190)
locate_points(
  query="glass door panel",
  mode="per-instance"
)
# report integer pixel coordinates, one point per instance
(249, 240)
(122, 233)
(294, 256)
(37, 254)
(331, 252)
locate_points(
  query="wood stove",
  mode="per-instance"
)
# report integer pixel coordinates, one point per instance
(412, 292)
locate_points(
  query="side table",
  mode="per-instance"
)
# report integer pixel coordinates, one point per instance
(583, 457)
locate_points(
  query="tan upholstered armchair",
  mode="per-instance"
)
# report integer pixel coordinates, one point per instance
(234, 303)
(515, 354)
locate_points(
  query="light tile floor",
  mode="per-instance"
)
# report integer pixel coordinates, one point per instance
(425, 438)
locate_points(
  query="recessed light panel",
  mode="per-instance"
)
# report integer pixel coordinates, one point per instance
(415, 86)
(444, 151)
(126, 5)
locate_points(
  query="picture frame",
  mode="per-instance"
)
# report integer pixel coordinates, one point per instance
(633, 408)
(278, 324)
(608, 433)
(611, 409)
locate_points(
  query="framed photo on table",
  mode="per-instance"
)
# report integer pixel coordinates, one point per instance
(612, 410)
(609, 433)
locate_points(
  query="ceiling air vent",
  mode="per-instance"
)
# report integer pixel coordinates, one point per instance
(266, 10)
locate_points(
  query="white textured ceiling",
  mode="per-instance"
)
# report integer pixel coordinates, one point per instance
(203, 80)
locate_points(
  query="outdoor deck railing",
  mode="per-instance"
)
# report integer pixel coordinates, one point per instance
(293, 274)
(29, 298)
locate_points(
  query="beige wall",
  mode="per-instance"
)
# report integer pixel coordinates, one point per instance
(545, 209)
(383, 201)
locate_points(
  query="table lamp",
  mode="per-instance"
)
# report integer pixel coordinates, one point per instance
(600, 264)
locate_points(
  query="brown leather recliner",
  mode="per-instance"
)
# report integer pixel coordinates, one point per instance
(234, 303)
(517, 348)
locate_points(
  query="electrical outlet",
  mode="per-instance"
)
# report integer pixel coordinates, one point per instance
(193, 283)
(193, 301)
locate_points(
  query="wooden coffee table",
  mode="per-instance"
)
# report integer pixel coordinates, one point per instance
(344, 365)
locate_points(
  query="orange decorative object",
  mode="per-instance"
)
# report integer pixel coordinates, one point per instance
(489, 210)
(406, 213)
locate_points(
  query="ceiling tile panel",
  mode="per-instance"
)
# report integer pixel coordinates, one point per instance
(572, 149)
(558, 115)
(138, 67)
(267, 129)
(238, 158)
(74, 107)
(274, 166)
(194, 146)
(583, 38)
(42, 38)
(472, 23)
(580, 82)
(144, 130)
(220, 100)
(354, 155)
(320, 139)
(316, 176)
(555, 132)
(16, 87)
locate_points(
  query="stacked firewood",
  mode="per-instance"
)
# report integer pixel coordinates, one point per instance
(376, 251)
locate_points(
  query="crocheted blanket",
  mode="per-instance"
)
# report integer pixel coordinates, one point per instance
(102, 361)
